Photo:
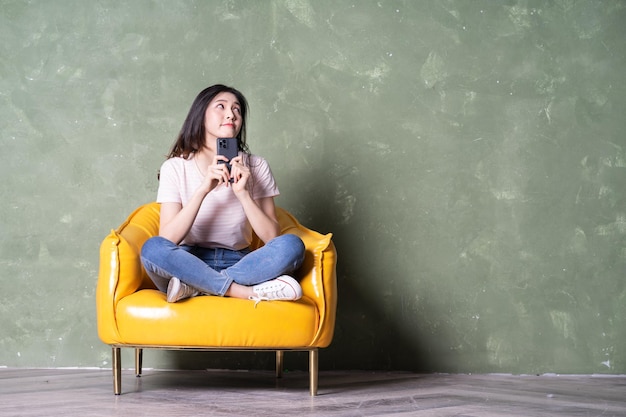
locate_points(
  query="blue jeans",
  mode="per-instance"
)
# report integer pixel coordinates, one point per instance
(213, 270)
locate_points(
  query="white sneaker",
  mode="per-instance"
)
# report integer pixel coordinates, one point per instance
(282, 288)
(178, 290)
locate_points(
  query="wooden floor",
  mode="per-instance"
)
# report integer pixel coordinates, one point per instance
(63, 392)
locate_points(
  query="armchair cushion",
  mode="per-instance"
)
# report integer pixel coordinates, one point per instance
(208, 321)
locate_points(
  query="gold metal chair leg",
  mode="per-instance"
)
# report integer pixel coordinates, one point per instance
(138, 361)
(279, 363)
(117, 370)
(313, 369)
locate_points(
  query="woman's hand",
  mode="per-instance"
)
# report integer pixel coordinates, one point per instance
(239, 174)
(216, 174)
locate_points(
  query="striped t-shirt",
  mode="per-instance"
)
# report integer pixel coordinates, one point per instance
(221, 221)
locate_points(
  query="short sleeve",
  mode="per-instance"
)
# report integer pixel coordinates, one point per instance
(264, 181)
(169, 180)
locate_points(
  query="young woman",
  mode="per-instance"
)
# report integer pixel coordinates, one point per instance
(208, 213)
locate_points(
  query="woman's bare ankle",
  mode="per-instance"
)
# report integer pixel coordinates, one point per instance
(238, 291)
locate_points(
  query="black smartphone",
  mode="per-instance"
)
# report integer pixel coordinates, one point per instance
(228, 148)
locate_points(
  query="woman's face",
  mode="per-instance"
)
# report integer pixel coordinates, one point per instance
(222, 118)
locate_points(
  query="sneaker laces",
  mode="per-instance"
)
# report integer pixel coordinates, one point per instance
(275, 290)
(258, 299)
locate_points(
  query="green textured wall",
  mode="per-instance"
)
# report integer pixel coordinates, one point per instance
(469, 156)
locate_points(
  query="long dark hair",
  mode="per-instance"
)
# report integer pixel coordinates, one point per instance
(191, 137)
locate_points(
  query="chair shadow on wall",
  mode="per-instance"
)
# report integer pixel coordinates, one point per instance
(368, 335)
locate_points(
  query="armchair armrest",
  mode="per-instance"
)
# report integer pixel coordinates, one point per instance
(319, 275)
(120, 251)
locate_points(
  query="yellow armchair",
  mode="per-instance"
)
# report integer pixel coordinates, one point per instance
(132, 313)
